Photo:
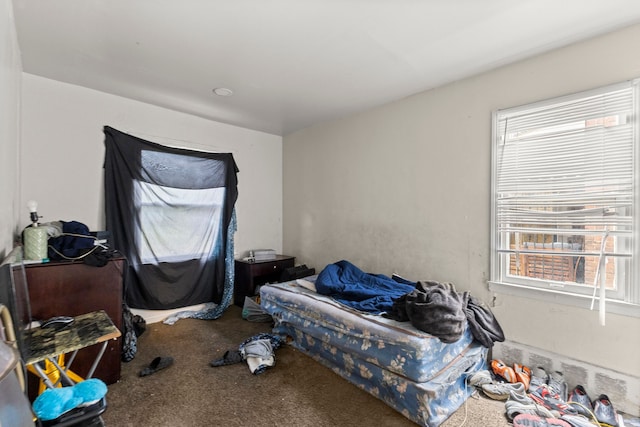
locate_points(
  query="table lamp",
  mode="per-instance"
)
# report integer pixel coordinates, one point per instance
(35, 238)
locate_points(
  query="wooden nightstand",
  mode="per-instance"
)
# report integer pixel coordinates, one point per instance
(249, 275)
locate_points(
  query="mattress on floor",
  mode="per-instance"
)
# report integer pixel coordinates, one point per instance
(393, 346)
(428, 403)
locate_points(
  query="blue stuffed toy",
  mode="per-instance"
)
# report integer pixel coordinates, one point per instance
(54, 402)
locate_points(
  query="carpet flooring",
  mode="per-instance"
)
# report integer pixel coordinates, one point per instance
(297, 391)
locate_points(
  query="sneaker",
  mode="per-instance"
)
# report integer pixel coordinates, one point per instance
(539, 377)
(523, 374)
(577, 421)
(530, 420)
(580, 401)
(503, 371)
(517, 396)
(513, 408)
(604, 412)
(502, 391)
(551, 400)
(481, 377)
(558, 385)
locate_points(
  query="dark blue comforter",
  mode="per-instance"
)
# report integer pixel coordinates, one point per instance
(373, 293)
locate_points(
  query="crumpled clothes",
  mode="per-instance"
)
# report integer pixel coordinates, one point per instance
(259, 356)
(258, 351)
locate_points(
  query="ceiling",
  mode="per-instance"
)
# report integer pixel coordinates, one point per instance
(292, 63)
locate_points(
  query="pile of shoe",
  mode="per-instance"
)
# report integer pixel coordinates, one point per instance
(552, 389)
(534, 398)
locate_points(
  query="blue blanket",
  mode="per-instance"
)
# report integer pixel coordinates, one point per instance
(372, 293)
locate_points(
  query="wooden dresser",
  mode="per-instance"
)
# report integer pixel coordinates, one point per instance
(75, 288)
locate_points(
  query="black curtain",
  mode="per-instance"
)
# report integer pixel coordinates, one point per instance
(169, 211)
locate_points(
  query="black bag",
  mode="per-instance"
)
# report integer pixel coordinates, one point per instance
(253, 312)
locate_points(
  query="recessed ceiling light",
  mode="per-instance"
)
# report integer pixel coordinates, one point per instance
(223, 91)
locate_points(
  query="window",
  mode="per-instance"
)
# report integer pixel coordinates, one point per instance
(565, 197)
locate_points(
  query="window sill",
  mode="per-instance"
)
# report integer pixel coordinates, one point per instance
(565, 298)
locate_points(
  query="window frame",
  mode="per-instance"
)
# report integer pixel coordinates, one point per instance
(626, 299)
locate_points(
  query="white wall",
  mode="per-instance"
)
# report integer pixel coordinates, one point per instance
(10, 75)
(63, 153)
(406, 188)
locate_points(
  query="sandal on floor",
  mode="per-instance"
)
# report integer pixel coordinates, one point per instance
(156, 364)
(231, 357)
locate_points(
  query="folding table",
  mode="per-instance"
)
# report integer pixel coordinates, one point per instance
(49, 347)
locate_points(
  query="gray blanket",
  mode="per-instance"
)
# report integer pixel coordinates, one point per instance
(436, 308)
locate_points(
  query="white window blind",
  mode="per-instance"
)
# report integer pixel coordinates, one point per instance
(564, 194)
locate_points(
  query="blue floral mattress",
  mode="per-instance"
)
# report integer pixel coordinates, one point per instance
(380, 356)
(396, 347)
